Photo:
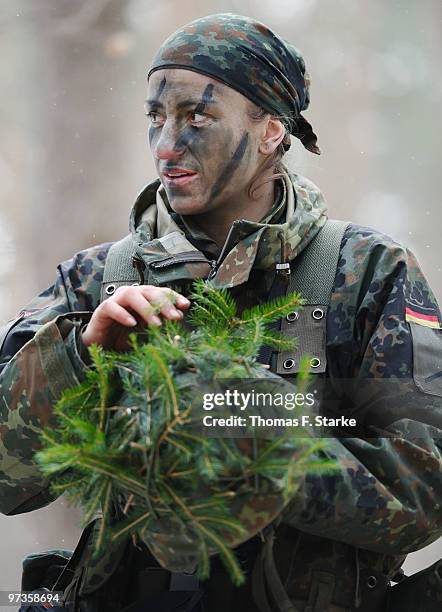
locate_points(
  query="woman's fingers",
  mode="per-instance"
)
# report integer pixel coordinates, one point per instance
(132, 305)
(148, 302)
(117, 313)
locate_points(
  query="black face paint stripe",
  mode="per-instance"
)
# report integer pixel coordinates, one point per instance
(152, 132)
(231, 167)
(161, 88)
(206, 98)
(189, 134)
(186, 138)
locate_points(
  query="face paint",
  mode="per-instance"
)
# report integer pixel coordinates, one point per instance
(161, 88)
(206, 162)
(189, 134)
(186, 138)
(152, 133)
(206, 99)
(231, 167)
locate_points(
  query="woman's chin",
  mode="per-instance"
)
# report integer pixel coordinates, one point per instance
(187, 206)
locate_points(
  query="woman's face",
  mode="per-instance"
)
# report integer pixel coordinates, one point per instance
(203, 141)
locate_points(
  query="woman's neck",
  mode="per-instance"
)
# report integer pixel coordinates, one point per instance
(217, 223)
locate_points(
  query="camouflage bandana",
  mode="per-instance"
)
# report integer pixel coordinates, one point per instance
(247, 56)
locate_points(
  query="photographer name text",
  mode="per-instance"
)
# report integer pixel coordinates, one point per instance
(255, 420)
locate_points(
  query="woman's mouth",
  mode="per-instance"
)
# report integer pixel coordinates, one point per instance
(179, 176)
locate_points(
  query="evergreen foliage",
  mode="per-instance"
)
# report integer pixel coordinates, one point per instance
(128, 437)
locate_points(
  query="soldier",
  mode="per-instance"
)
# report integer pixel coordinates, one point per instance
(224, 95)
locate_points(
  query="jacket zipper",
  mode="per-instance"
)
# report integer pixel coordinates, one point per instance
(190, 257)
(215, 263)
(171, 261)
(214, 269)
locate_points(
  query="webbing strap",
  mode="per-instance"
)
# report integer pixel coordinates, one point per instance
(119, 261)
(266, 580)
(313, 276)
(119, 268)
(314, 269)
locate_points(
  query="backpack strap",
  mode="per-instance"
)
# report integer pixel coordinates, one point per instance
(269, 592)
(313, 274)
(120, 267)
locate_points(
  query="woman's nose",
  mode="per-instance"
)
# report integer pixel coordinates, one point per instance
(167, 146)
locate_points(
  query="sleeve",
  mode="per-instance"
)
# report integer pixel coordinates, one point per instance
(385, 345)
(39, 359)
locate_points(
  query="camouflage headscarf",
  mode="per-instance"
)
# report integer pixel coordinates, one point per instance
(247, 56)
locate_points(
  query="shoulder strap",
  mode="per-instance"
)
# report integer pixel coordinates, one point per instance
(313, 274)
(119, 267)
(314, 271)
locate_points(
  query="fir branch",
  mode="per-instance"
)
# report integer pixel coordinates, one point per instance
(105, 518)
(101, 365)
(226, 554)
(162, 366)
(280, 307)
(204, 564)
(127, 434)
(118, 475)
(211, 307)
(130, 525)
(94, 503)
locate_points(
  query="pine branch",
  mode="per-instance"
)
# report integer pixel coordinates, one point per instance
(280, 307)
(131, 525)
(128, 434)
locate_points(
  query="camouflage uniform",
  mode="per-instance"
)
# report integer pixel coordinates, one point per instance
(340, 532)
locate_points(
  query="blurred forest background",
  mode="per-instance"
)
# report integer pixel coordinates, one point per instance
(74, 152)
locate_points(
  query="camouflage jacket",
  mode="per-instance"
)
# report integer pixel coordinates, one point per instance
(383, 324)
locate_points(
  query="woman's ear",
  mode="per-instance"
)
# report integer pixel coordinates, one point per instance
(272, 137)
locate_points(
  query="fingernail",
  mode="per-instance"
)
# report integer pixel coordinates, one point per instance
(175, 313)
(183, 300)
(156, 320)
(131, 321)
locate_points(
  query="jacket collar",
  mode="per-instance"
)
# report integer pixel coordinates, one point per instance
(170, 256)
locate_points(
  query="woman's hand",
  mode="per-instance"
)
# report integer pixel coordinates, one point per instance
(115, 318)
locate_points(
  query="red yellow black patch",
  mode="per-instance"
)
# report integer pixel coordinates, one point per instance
(422, 319)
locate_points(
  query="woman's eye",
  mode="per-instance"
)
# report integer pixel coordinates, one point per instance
(197, 118)
(154, 117)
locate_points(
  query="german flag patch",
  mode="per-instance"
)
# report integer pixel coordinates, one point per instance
(414, 316)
